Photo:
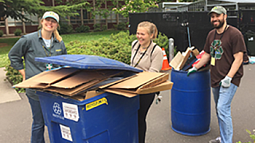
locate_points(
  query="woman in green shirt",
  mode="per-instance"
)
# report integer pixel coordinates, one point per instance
(43, 43)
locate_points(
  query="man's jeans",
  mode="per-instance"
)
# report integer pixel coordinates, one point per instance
(38, 122)
(223, 98)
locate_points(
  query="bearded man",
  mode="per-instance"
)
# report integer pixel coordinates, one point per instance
(224, 49)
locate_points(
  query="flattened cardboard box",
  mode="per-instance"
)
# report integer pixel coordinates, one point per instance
(70, 81)
(67, 81)
(141, 83)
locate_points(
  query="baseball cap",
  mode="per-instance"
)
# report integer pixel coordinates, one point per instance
(218, 10)
(51, 14)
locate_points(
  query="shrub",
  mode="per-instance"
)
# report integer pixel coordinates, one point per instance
(120, 26)
(17, 32)
(104, 27)
(65, 29)
(117, 46)
(14, 77)
(252, 136)
(1, 33)
(163, 42)
(97, 27)
(82, 29)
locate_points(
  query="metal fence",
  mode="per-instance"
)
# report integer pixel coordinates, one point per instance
(196, 25)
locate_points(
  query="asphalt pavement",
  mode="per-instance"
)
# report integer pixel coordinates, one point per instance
(16, 119)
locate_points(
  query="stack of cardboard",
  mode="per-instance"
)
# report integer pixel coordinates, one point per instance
(67, 81)
(140, 83)
(183, 61)
(73, 82)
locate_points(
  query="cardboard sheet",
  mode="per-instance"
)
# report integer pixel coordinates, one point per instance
(128, 93)
(55, 75)
(138, 80)
(87, 95)
(180, 60)
(160, 87)
(185, 58)
(73, 91)
(33, 82)
(115, 82)
(77, 79)
(175, 62)
(73, 82)
(142, 83)
(120, 92)
(156, 81)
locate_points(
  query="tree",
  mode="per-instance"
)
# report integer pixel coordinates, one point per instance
(187, 0)
(132, 6)
(16, 8)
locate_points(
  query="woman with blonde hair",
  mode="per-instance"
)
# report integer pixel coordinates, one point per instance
(43, 43)
(146, 56)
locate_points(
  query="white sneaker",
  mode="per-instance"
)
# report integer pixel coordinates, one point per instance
(217, 140)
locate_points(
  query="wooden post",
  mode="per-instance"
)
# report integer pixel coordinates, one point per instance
(6, 27)
(106, 22)
(53, 3)
(117, 15)
(82, 23)
(94, 8)
(23, 23)
(68, 17)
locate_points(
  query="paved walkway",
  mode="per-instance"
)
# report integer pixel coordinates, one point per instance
(7, 92)
(15, 120)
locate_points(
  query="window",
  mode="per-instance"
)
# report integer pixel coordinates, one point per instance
(2, 22)
(34, 19)
(76, 19)
(87, 17)
(122, 19)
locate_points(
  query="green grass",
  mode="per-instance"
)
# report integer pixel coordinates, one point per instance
(5, 50)
(66, 38)
(87, 36)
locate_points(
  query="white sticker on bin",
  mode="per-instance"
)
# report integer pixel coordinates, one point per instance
(66, 132)
(70, 111)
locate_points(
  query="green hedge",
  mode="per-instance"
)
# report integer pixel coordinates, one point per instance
(1, 33)
(82, 29)
(117, 47)
(14, 77)
(17, 32)
(120, 26)
(65, 29)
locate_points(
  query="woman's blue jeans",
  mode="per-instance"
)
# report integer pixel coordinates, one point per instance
(38, 121)
(223, 98)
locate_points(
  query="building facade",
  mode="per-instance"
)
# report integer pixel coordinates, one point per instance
(9, 25)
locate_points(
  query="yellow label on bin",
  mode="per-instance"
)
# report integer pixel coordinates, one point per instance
(96, 103)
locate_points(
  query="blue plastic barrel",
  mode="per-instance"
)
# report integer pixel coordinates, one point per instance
(190, 102)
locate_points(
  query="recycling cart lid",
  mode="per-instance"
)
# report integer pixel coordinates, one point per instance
(87, 62)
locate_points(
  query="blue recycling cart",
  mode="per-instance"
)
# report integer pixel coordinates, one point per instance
(106, 118)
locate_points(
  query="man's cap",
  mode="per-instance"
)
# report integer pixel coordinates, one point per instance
(218, 10)
(51, 14)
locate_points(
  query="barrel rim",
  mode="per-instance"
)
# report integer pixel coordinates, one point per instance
(187, 71)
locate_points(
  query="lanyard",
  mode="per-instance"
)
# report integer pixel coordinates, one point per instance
(46, 49)
(215, 47)
(48, 55)
(141, 56)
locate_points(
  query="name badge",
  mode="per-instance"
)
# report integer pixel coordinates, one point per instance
(212, 61)
(49, 66)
